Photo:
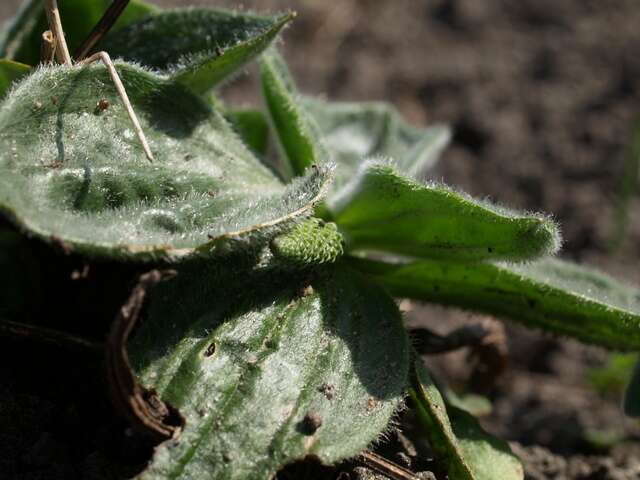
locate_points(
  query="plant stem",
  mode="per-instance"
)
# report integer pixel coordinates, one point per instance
(35, 333)
(55, 25)
(384, 466)
(105, 24)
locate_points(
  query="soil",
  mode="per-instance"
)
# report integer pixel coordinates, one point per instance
(542, 96)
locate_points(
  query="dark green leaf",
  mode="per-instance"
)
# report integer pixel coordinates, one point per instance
(253, 128)
(468, 452)
(354, 132)
(551, 294)
(71, 173)
(9, 72)
(298, 134)
(23, 39)
(632, 395)
(381, 210)
(265, 375)
(198, 48)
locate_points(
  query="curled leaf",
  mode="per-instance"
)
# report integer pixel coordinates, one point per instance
(75, 174)
(196, 47)
(382, 210)
(354, 132)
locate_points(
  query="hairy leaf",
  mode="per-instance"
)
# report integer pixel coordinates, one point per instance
(11, 71)
(551, 294)
(23, 39)
(468, 452)
(74, 174)
(266, 374)
(311, 242)
(196, 47)
(356, 131)
(381, 210)
(253, 128)
(298, 134)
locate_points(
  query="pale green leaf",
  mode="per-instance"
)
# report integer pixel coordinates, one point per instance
(554, 295)
(298, 134)
(354, 132)
(23, 39)
(196, 47)
(467, 451)
(381, 210)
(11, 71)
(266, 371)
(72, 174)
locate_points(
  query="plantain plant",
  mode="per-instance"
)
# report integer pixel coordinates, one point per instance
(275, 241)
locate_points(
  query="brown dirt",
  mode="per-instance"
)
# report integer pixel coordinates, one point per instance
(542, 95)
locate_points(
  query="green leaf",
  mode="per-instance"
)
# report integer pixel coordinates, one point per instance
(266, 374)
(381, 210)
(23, 39)
(198, 48)
(632, 394)
(476, 405)
(72, 174)
(550, 294)
(354, 132)
(457, 439)
(9, 72)
(253, 128)
(298, 134)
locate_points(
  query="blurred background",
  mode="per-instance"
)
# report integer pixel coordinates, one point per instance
(543, 96)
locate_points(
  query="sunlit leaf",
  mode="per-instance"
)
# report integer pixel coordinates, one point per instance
(266, 372)
(381, 210)
(556, 296)
(298, 134)
(196, 47)
(466, 451)
(76, 175)
(354, 132)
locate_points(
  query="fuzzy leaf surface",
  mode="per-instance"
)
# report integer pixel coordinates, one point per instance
(196, 47)
(73, 174)
(382, 210)
(356, 131)
(293, 371)
(297, 132)
(468, 452)
(22, 40)
(253, 128)
(554, 295)
(11, 71)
